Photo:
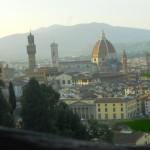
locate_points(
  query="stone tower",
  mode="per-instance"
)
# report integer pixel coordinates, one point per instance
(54, 54)
(31, 50)
(124, 62)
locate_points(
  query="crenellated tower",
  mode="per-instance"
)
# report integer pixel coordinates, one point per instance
(31, 50)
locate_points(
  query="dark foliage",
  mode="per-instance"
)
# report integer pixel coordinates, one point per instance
(6, 118)
(12, 97)
(42, 111)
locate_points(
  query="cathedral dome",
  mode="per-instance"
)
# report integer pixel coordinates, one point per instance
(103, 48)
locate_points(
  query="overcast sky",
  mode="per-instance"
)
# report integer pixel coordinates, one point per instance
(18, 16)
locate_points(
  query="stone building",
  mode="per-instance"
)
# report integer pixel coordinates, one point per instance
(84, 108)
(54, 54)
(31, 50)
(116, 108)
(78, 66)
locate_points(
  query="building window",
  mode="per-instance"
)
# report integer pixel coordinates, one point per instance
(98, 105)
(105, 104)
(99, 116)
(114, 109)
(105, 109)
(114, 116)
(106, 116)
(68, 81)
(113, 104)
(63, 82)
(121, 104)
(99, 109)
(121, 109)
(122, 116)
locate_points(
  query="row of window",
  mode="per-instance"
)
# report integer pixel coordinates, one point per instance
(114, 116)
(106, 110)
(112, 104)
(65, 82)
(77, 110)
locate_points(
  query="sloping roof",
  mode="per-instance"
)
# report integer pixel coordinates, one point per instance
(127, 139)
(114, 100)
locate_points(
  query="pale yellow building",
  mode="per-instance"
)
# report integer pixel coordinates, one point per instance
(41, 74)
(116, 108)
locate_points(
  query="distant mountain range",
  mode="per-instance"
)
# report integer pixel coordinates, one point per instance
(75, 40)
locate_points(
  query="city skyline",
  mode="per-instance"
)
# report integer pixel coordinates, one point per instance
(21, 16)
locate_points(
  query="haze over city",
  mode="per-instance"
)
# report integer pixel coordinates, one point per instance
(20, 16)
(75, 70)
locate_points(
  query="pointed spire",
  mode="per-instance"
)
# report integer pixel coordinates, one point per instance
(124, 54)
(103, 35)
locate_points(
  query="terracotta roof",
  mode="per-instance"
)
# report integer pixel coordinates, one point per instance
(102, 47)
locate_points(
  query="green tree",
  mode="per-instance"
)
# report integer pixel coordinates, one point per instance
(100, 131)
(69, 124)
(6, 118)
(2, 84)
(35, 108)
(52, 98)
(42, 111)
(12, 97)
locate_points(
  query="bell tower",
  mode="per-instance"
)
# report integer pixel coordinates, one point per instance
(54, 54)
(124, 62)
(31, 51)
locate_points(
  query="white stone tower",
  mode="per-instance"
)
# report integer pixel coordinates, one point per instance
(54, 54)
(31, 50)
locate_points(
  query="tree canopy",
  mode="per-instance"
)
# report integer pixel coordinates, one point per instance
(42, 111)
(12, 97)
(6, 118)
(100, 131)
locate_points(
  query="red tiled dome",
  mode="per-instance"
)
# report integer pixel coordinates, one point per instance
(102, 48)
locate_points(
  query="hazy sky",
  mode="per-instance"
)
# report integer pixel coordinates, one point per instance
(20, 15)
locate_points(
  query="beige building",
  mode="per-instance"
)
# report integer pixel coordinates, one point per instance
(82, 79)
(64, 80)
(40, 74)
(115, 108)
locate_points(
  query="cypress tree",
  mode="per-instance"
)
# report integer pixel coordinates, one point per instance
(6, 118)
(12, 97)
(35, 109)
